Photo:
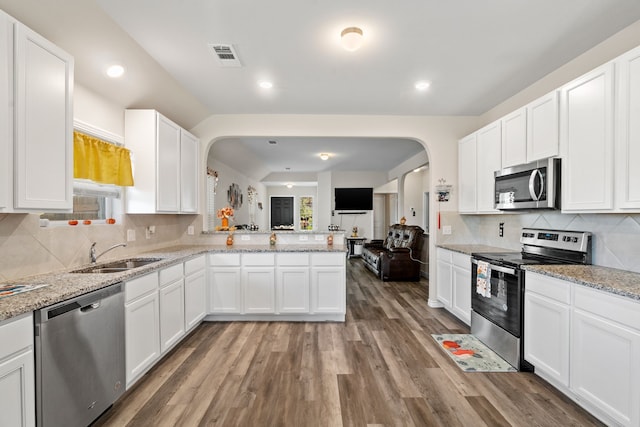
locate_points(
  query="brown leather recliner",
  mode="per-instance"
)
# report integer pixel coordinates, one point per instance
(395, 258)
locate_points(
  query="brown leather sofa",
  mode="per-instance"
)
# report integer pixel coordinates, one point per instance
(395, 258)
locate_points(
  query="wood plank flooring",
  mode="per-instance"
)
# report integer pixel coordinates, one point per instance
(379, 368)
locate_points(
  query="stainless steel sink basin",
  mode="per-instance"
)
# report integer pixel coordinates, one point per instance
(118, 266)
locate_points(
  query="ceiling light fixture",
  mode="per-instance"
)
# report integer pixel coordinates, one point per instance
(265, 85)
(422, 85)
(114, 71)
(324, 156)
(417, 169)
(351, 38)
(289, 185)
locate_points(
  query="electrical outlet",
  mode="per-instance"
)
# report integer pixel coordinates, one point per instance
(147, 233)
(446, 229)
(245, 237)
(501, 229)
(304, 238)
(190, 230)
(131, 235)
(319, 238)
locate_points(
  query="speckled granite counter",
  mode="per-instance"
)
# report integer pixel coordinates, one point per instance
(63, 285)
(469, 249)
(620, 282)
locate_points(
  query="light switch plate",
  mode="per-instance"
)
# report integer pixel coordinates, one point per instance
(446, 229)
(319, 237)
(245, 237)
(190, 230)
(304, 238)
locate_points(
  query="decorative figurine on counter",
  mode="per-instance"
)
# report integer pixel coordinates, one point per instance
(272, 239)
(330, 239)
(403, 221)
(230, 240)
(354, 231)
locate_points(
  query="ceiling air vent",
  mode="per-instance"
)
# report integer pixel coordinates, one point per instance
(226, 55)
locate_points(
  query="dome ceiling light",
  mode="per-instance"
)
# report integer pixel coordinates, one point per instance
(324, 156)
(114, 71)
(351, 38)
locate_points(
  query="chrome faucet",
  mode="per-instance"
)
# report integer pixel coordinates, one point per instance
(92, 251)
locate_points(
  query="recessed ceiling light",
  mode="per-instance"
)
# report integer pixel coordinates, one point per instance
(114, 71)
(422, 85)
(351, 38)
(324, 156)
(265, 84)
(289, 185)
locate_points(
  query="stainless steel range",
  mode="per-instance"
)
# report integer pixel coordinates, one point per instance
(498, 285)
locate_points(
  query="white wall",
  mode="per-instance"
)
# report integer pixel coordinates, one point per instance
(228, 176)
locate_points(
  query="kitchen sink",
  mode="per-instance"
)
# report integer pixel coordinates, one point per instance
(118, 266)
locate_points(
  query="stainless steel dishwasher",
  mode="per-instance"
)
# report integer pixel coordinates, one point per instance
(80, 357)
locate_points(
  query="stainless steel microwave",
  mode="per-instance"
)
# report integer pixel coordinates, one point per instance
(534, 185)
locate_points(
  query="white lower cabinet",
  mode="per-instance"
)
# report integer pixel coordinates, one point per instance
(17, 378)
(587, 343)
(258, 289)
(172, 327)
(142, 325)
(224, 283)
(454, 283)
(546, 327)
(328, 283)
(195, 291)
(292, 283)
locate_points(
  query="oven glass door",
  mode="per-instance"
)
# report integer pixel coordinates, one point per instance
(504, 306)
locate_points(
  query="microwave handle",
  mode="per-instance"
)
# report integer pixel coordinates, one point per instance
(532, 181)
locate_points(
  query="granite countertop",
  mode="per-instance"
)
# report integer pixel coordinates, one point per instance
(620, 282)
(468, 249)
(63, 285)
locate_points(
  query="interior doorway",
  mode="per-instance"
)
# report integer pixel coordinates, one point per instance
(281, 213)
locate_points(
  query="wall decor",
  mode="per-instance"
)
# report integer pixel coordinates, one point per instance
(234, 196)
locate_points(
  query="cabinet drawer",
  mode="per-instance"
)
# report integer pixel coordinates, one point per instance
(333, 259)
(619, 309)
(461, 260)
(16, 334)
(224, 260)
(194, 265)
(258, 259)
(171, 274)
(140, 286)
(292, 259)
(443, 255)
(550, 287)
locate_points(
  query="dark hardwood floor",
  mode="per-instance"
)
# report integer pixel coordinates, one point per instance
(380, 367)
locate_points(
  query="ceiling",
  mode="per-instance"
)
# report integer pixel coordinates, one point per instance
(475, 55)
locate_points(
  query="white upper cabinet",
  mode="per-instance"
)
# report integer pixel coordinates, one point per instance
(628, 131)
(531, 133)
(514, 138)
(587, 141)
(37, 121)
(467, 195)
(168, 165)
(542, 128)
(189, 147)
(488, 161)
(479, 156)
(5, 100)
(165, 164)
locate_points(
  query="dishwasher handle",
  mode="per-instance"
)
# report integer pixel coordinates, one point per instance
(85, 303)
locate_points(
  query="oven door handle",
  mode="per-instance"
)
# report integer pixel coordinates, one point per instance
(497, 267)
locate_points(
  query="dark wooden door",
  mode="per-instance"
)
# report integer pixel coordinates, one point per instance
(281, 211)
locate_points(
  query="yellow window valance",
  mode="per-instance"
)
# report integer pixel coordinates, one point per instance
(101, 161)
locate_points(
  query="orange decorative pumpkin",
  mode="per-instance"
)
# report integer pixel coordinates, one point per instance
(87, 222)
(111, 221)
(73, 222)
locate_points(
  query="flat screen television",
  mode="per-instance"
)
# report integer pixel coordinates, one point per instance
(354, 199)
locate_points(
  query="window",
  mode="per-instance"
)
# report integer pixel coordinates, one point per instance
(91, 200)
(306, 213)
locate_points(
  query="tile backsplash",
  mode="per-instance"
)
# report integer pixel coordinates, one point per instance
(616, 237)
(27, 249)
